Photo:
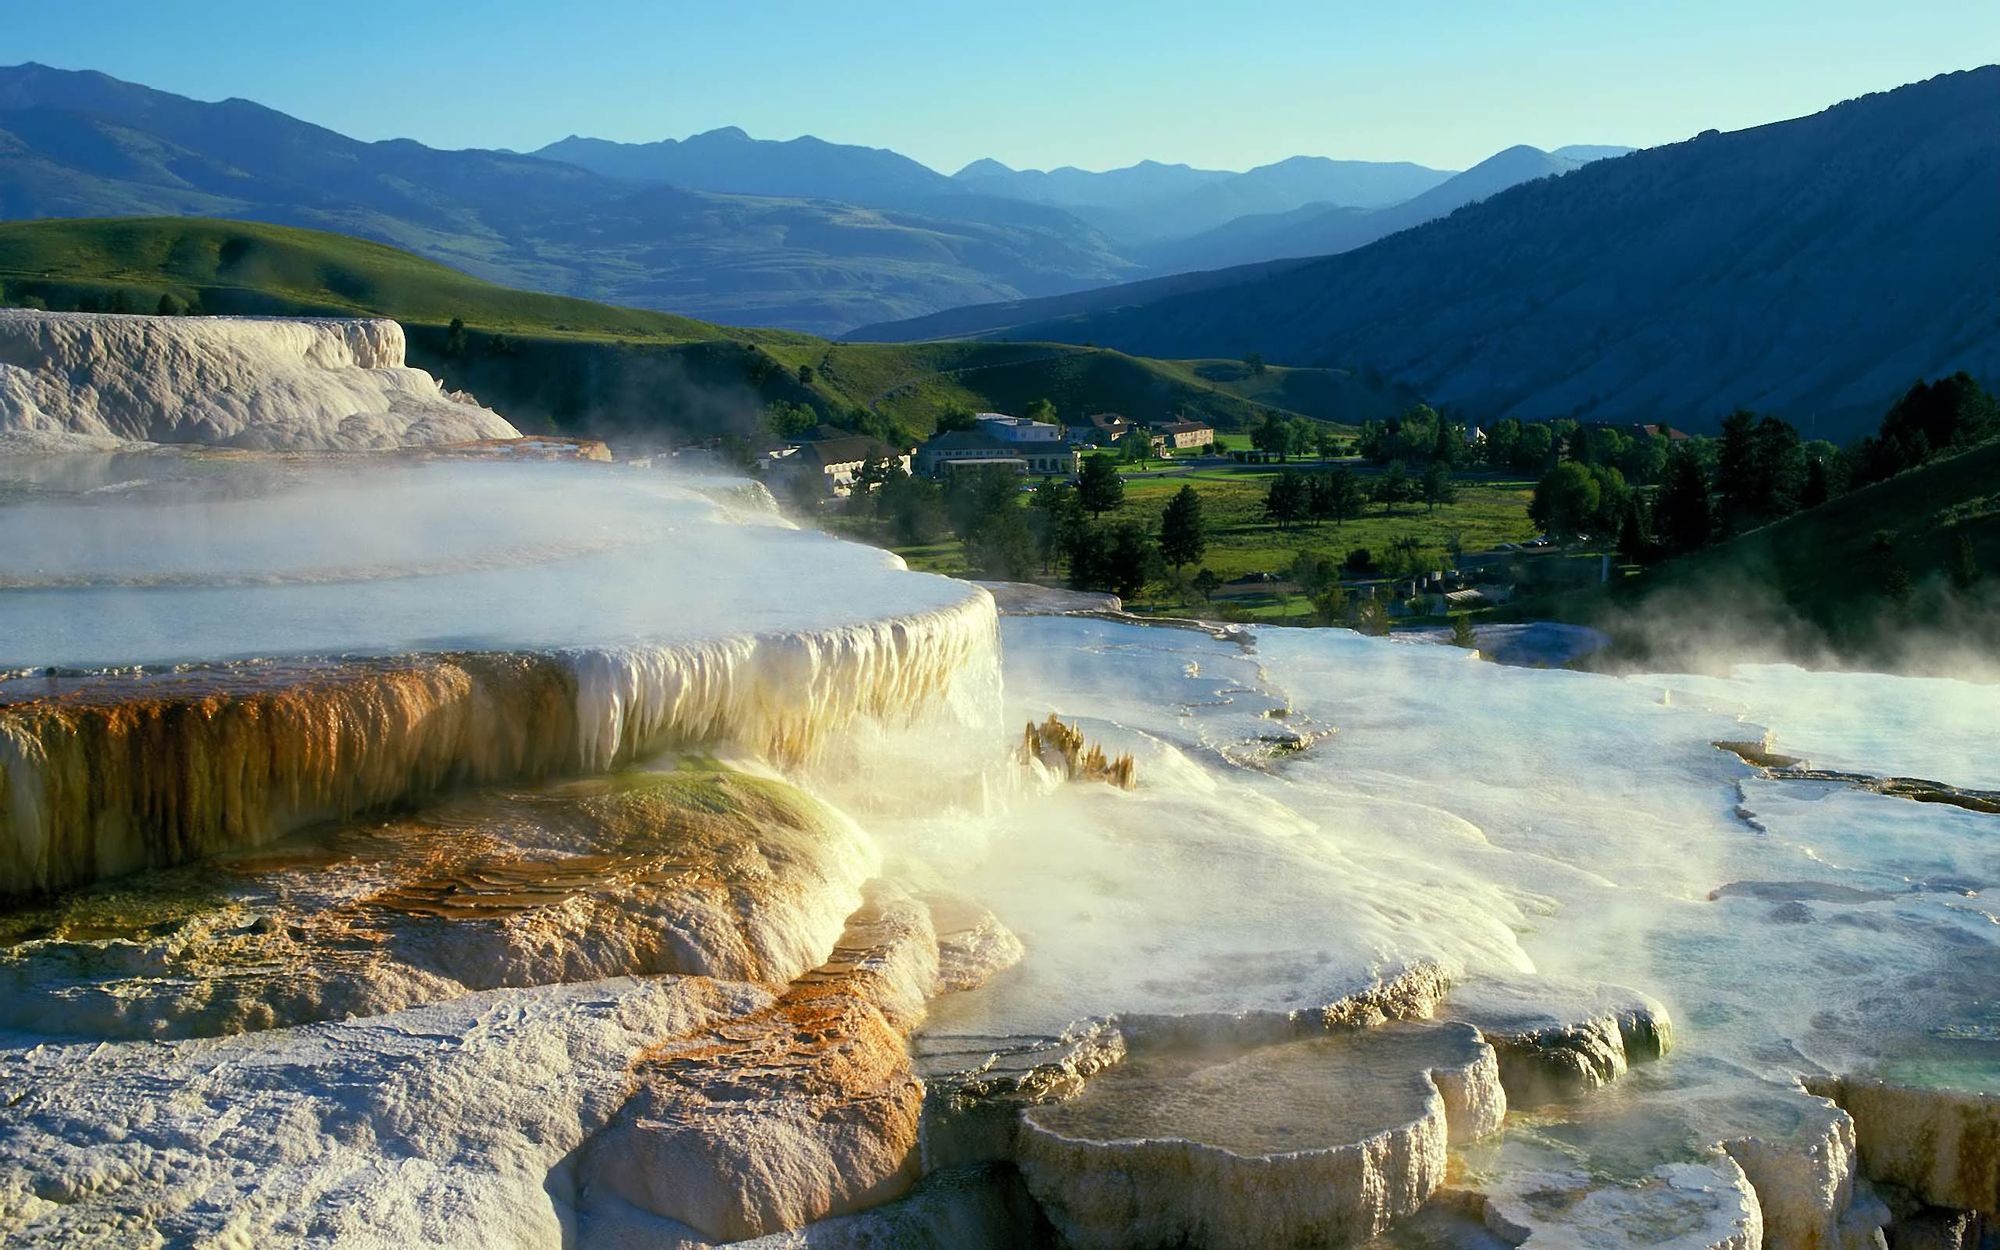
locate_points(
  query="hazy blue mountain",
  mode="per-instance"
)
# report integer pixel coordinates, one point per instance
(1150, 202)
(1326, 229)
(76, 144)
(1115, 189)
(1812, 268)
(731, 162)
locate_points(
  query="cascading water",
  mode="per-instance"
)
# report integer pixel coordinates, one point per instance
(295, 674)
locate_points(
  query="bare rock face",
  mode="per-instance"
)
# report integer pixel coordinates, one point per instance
(695, 872)
(1806, 1183)
(1557, 1037)
(802, 1112)
(1942, 1146)
(1317, 1142)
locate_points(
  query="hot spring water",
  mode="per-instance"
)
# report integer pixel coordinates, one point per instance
(1316, 811)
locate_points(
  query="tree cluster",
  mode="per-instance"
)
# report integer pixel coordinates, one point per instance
(1295, 498)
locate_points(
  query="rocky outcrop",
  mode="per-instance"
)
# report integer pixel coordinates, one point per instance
(1943, 1146)
(1806, 1185)
(1319, 1142)
(253, 382)
(694, 872)
(804, 1111)
(446, 1125)
(1557, 1037)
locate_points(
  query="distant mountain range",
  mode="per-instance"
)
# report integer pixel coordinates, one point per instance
(81, 144)
(1321, 228)
(1812, 268)
(802, 234)
(1150, 202)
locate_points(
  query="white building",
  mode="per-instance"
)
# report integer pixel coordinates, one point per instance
(1018, 429)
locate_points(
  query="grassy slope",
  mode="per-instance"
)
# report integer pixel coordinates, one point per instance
(1825, 565)
(579, 364)
(238, 266)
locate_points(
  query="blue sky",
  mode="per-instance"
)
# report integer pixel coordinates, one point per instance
(1096, 83)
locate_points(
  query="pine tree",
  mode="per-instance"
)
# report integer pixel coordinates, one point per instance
(1183, 534)
(1437, 485)
(1683, 518)
(1633, 542)
(1965, 570)
(1099, 486)
(1815, 491)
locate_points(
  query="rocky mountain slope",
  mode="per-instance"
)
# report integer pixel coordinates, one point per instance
(1811, 268)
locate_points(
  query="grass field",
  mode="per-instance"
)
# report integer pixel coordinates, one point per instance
(1487, 511)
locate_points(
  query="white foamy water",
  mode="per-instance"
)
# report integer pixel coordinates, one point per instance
(1500, 820)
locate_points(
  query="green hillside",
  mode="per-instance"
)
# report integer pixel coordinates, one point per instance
(551, 361)
(1856, 574)
(249, 267)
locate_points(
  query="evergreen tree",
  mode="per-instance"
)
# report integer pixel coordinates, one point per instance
(1053, 517)
(1128, 560)
(1099, 486)
(1447, 444)
(1965, 570)
(1683, 518)
(1183, 535)
(1205, 583)
(1815, 491)
(1634, 543)
(1437, 484)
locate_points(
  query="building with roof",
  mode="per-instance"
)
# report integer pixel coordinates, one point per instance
(1102, 428)
(1182, 435)
(1018, 429)
(837, 460)
(959, 449)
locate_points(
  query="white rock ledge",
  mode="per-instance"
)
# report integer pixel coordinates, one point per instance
(265, 383)
(1321, 1142)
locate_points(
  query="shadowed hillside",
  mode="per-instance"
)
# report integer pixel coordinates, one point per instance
(1810, 268)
